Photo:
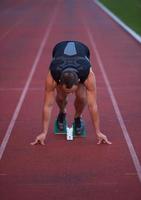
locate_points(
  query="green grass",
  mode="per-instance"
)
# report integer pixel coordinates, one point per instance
(129, 11)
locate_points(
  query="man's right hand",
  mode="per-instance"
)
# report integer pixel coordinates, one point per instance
(39, 139)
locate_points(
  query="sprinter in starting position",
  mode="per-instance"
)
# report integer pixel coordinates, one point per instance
(70, 72)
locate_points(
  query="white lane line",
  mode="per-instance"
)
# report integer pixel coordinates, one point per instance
(116, 108)
(14, 26)
(11, 29)
(23, 95)
(120, 22)
(19, 22)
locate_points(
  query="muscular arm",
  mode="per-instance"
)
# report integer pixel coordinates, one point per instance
(48, 104)
(91, 100)
(90, 84)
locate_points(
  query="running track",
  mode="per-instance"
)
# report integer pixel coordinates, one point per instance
(67, 170)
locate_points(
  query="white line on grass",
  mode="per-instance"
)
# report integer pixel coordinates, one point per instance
(116, 108)
(23, 95)
(121, 23)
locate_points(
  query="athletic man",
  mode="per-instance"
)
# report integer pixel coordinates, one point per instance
(70, 72)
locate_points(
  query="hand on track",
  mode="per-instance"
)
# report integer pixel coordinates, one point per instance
(39, 140)
(102, 139)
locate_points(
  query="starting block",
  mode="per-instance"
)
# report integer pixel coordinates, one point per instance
(69, 132)
(57, 131)
(66, 131)
(82, 134)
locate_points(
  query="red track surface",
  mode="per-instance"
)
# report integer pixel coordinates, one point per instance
(66, 170)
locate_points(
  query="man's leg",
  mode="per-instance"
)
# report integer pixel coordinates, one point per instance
(61, 100)
(79, 104)
(80, 100)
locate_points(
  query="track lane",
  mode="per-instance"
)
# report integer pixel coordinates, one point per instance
(14, 16)
(15, 47)
(125, 81)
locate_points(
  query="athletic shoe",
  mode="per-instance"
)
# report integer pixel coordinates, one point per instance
(78, 126)
(61, 121)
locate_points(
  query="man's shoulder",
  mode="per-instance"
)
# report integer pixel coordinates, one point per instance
(91, 75)
(50, 83)
(90, 81)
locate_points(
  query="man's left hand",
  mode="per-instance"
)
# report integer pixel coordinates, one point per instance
(102, 139)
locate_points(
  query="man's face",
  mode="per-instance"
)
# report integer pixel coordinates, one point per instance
(69, 90)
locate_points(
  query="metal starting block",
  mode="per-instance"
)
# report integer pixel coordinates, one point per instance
(57, 131)
(69, 132)
(66, 131)
(82, 134)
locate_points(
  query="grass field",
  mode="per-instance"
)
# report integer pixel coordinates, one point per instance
(129, 11)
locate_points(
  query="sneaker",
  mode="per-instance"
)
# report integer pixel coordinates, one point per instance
(61, 121)
(79, 125)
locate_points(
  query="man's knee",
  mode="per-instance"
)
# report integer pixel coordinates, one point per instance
(80, 100)
(61, 99)
(81, 96)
